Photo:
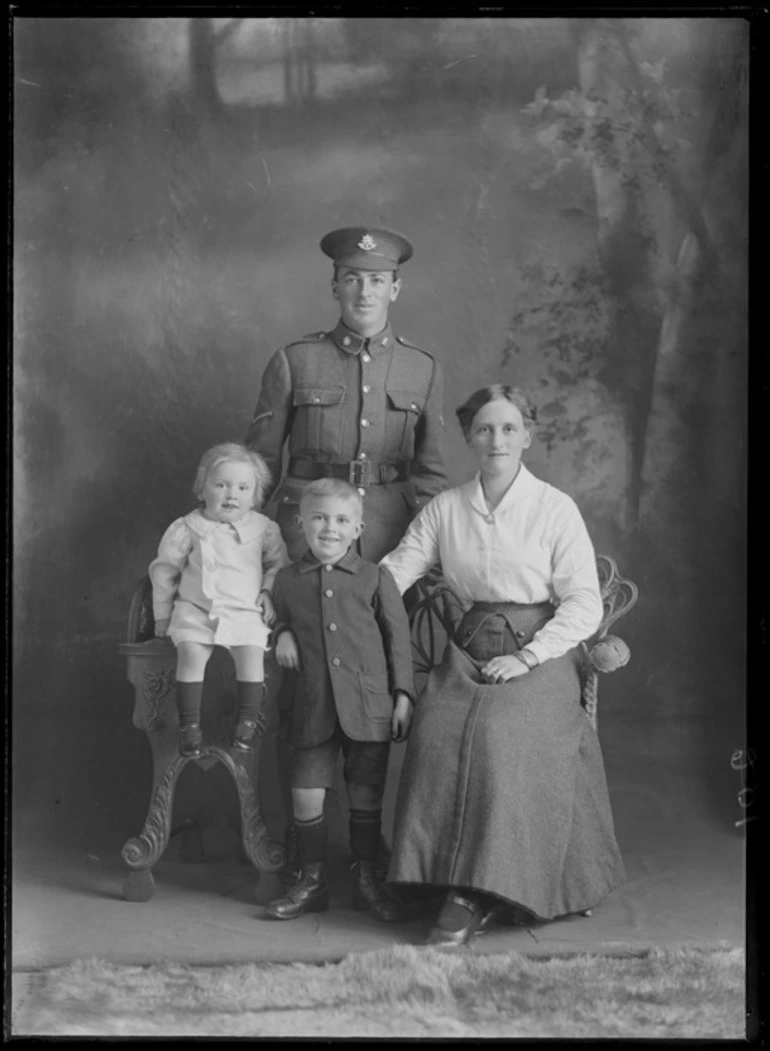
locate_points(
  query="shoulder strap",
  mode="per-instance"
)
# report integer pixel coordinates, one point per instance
(413, 346)
(311, 337)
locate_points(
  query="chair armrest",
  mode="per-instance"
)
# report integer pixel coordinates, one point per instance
(141, 622)
(608, 654)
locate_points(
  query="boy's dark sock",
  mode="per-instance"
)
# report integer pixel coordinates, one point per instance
(188, 700)
(311, 839)
(250, 700)
(365, 826)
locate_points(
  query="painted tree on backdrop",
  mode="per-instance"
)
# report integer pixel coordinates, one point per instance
(661, 314)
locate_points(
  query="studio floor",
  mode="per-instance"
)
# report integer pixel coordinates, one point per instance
(685, 886)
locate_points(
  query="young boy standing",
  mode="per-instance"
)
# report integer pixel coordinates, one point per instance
(342, 625)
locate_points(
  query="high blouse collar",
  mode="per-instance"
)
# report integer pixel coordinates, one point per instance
(519, 487)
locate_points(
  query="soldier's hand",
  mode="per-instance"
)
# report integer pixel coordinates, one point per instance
(161, 628)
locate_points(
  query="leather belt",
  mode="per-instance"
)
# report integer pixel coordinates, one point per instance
(357, 472)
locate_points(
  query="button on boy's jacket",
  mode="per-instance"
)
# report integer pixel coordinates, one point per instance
(336, 397)
(355, 650)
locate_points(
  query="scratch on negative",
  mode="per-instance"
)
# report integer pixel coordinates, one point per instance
(267, 170)
(533, 936)
(458, 61)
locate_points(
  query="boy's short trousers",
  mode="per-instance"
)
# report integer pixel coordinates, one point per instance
(366, 762)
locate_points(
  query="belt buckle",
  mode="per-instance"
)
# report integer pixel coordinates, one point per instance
(360, 472)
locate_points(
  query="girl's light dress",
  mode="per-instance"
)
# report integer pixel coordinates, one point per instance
(207, 577)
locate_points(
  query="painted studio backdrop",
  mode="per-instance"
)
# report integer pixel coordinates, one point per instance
(576, 191)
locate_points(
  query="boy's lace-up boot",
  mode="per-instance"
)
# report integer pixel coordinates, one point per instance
(309, 894)
(382, 861)
(369, 895)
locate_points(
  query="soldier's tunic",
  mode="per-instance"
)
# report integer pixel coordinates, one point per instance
(373, 407)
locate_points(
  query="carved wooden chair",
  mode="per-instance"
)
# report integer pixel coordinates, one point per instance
(437, 612)
(150, 668)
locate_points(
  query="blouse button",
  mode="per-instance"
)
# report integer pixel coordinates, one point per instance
(365, 358)
(362, 491)
(414, 406)
(316, 400)
(364, 423)
(328, 592)
(336, 662)
(366, 388)
(328, 568)
(490, 518)
(332, 626)
(362, 456)
(520, 634)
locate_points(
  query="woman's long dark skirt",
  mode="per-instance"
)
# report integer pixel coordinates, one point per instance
(503, 787)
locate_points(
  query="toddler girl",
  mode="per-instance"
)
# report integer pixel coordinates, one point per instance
(211, 586)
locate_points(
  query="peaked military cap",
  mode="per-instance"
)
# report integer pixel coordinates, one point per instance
(367, 248)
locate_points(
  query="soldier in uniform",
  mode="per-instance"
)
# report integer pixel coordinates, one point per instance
(357, 402)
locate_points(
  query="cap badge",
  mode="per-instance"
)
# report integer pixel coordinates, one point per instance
(367, 242)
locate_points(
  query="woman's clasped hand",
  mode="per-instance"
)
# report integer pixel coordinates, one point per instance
(502, 669)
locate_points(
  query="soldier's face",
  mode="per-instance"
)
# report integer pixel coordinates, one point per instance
(330, 525)
(364, 297)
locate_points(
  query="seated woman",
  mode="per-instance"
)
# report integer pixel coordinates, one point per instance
(503, 796)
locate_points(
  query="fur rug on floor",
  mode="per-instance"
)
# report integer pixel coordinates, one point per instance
(397, 992)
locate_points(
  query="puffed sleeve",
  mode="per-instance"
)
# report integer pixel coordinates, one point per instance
(428, 469)
(575, 584)
(394, 627)
(165, 571)
(274, 554)
(418, 551)
(271, 422)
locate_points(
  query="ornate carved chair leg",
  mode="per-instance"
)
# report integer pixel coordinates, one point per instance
(139, 885)
(143, 851)
(262, 852)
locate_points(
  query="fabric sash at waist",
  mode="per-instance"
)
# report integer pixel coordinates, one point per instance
(522, 620)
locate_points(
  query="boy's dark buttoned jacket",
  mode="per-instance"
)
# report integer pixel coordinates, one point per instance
(352, 630)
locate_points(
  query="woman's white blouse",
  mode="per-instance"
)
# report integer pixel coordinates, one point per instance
(534, 547)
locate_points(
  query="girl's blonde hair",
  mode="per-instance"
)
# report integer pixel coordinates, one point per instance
(226, 451)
